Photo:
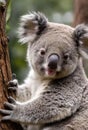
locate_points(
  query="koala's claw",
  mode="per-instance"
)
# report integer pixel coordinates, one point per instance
(13, 84)
(11, 88)
(6, 112)
(11, 104)
(11, 100)
(5, 118)
(10, 107)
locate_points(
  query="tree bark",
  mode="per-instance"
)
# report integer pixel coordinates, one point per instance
(80, 12)
(5, 69)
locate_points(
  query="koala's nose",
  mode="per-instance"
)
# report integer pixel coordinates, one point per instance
(53, 61)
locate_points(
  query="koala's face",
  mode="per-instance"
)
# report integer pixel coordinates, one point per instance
(54, 53)
(52, 48)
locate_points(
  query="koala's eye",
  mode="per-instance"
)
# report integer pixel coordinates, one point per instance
(66, 56)
(42, 51)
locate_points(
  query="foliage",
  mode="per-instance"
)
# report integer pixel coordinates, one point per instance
(8, 14)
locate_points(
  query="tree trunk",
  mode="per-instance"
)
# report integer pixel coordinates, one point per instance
(5, 69)
(80, 12)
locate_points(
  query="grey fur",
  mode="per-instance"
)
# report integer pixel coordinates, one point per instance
(46, 100)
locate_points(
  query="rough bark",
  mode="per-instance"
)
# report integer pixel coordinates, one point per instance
(80, 12)
(5, 69)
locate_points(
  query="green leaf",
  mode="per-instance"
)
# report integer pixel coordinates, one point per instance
(8, 10)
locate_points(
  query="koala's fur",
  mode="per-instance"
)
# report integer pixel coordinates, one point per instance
(51, 98)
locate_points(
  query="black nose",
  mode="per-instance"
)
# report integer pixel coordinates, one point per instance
(53, 61)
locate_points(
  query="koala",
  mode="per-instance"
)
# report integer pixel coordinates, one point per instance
(54, 96)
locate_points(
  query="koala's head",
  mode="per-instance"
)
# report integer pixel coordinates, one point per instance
(53, 49)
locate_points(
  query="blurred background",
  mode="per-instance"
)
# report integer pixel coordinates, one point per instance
(60, 11)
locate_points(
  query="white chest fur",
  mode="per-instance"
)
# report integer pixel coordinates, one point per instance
(36, 85)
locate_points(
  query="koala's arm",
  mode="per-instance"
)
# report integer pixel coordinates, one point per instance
(42, 110)
(48, 107)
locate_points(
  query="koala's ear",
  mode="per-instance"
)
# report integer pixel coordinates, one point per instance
(31, 25)
(81, 39)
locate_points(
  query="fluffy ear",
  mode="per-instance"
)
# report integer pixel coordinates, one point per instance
(31, 25)
(81, 38)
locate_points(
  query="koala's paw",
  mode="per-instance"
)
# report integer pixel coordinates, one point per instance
(10, 108)
(13, 84)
